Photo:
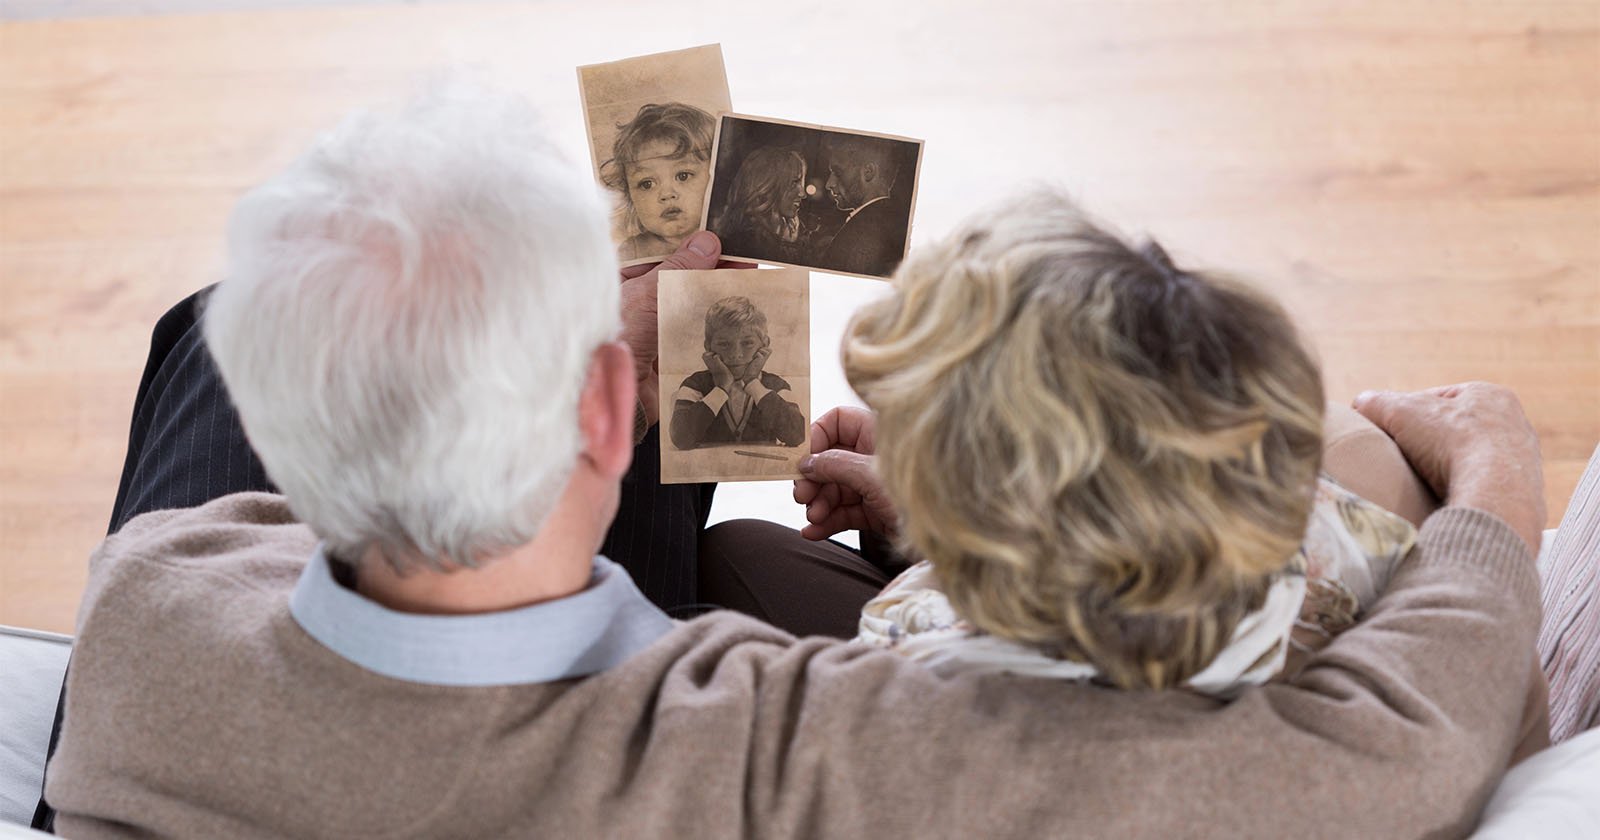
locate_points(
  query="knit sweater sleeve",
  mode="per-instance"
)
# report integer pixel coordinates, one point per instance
(1400, 727)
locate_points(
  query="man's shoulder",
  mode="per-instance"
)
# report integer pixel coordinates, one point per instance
(884, 212)
(251, 540)
(222, 526)
(870, 238)
(878, 219)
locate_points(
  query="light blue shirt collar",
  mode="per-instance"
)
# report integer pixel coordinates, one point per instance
(581, 634)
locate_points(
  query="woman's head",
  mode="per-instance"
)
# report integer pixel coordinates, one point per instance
(735, 331)
(1105, 456)
(770, 185)
(659, 163)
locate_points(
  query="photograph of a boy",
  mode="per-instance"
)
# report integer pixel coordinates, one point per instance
(735, 400)
(659, 167)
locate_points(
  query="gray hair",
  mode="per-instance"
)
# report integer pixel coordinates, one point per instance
(406, 324)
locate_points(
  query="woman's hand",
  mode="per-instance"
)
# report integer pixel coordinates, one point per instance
(841, 489)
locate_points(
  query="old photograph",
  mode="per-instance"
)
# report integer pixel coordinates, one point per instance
(811, 196)
(735, 374)
(651, 123)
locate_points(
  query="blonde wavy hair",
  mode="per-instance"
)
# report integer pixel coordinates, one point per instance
(1105, 456)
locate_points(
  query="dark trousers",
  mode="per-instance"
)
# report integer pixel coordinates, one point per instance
(186, 447)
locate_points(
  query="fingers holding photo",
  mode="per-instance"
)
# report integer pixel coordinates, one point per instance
(844, 492)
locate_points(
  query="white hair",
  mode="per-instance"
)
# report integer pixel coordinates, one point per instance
(406, 324)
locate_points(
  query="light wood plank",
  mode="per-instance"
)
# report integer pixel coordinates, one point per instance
(1421, 187)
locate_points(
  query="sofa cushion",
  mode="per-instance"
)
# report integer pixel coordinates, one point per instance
(33, 663)
(1550, 796)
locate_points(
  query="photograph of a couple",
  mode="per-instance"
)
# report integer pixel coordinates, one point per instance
(792, 194)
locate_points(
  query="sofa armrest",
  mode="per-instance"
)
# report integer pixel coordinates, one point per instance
(33, 663)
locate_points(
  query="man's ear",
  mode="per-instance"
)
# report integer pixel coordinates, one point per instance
(869, 173)
(605, 409)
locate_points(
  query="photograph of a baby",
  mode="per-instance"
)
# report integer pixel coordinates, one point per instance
(659, 166)
(792, 194)
(651, 131)
(735, 373)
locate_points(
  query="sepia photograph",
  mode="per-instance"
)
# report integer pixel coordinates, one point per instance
(809, 196)
(652, 122)
(735, 374)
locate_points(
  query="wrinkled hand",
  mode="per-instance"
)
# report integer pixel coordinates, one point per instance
(721, 376)
(1473, 444)
(841, 489)
(639, 309)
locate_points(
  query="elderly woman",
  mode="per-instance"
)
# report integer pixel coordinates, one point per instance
(1108, 469)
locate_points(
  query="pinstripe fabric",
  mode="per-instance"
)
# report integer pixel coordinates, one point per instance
(1569, 638)
(185, 446)
(657, 530)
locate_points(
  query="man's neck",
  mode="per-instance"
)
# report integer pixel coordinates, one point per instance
(554, 564)
(518, 578)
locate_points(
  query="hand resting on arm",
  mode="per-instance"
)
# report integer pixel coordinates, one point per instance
(1474, 446)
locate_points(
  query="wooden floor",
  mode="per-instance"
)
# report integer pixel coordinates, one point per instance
(1420, 181)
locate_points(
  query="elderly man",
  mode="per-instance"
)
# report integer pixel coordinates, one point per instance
(419, 328)
(862, 172)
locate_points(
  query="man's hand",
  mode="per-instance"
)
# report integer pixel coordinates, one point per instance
(841, 489)
(1472, 444)
(639, 311)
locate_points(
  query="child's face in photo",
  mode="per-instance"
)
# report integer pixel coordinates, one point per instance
(666, 192)
(736, 346)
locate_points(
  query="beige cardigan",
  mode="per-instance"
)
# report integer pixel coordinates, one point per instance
(198, 707)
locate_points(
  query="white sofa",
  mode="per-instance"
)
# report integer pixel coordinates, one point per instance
(31, 665)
